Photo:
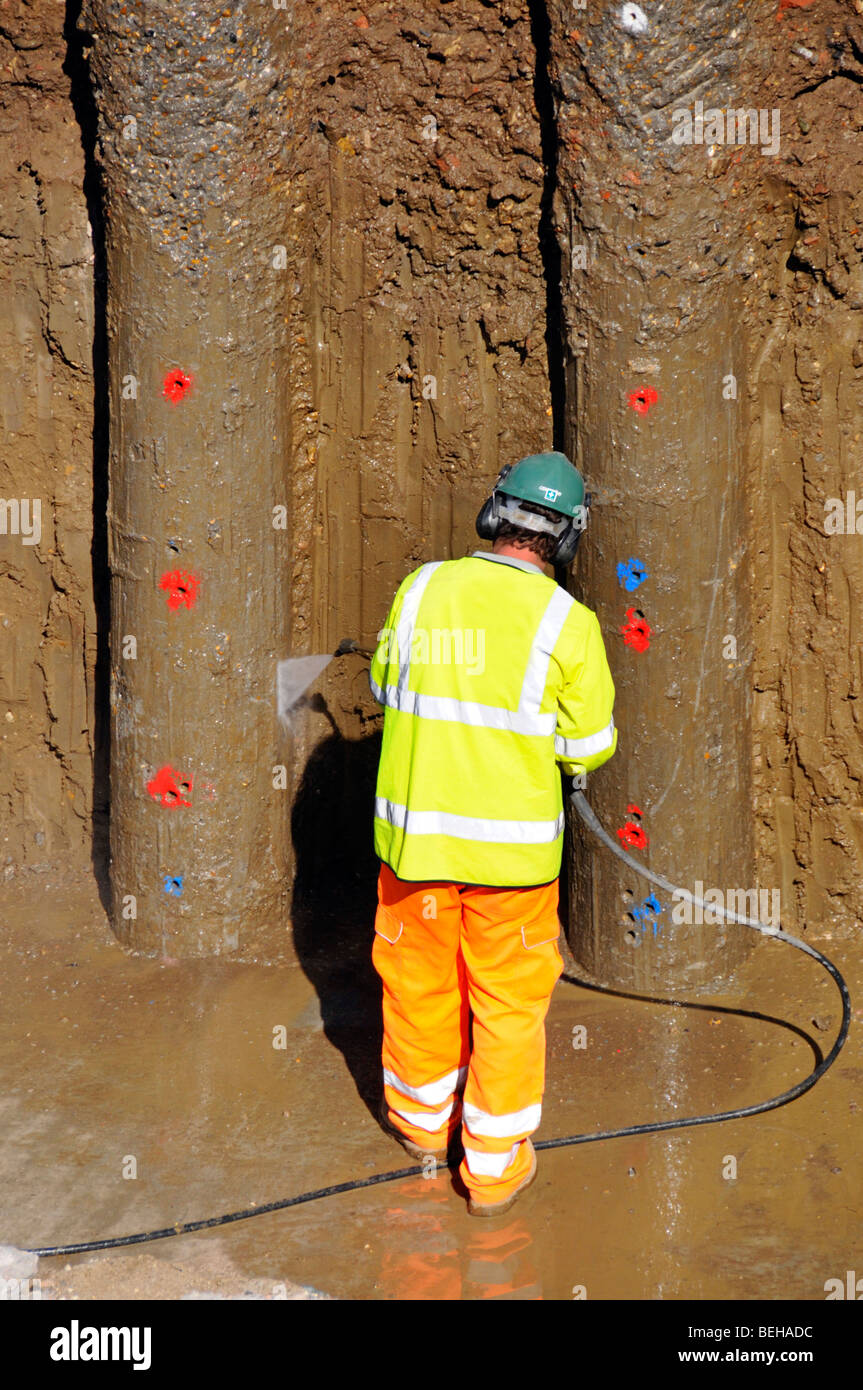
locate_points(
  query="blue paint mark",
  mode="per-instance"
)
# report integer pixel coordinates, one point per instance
(649, 910)
(631, 573)
(174, 885)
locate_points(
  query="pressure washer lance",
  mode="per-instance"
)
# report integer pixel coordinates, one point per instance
(294, 676)
(580, 803)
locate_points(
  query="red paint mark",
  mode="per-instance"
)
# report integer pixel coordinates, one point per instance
(176, 385)
(643, 398)
(636, 632)
(633, 810)
(182, 587)
(169, 787)
(632, 834)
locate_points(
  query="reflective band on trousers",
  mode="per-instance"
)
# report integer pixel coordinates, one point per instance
(422, 1120)
(524, 720)
(584, 747)
(432, 1092)
(479, 1122)
(518, 832)
(483, 1165)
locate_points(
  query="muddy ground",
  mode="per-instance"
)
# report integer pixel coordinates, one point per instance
(107, 1058)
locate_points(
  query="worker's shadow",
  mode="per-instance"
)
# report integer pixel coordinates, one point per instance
(334, 900)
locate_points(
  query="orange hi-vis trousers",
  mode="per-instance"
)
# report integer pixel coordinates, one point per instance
(467, 976)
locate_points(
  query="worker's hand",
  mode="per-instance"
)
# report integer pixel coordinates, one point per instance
(578, 775)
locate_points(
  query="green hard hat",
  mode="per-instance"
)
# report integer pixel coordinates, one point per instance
(548, 480)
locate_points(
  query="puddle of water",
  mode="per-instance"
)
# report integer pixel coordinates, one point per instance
(219, 1085)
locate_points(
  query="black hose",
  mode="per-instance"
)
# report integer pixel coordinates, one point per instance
(580, 803)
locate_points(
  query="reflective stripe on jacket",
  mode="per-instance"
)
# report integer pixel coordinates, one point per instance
(490, 675)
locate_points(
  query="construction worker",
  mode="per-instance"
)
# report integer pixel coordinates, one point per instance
(490, 675)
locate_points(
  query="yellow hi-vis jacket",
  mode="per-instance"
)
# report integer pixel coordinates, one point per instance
(490, 675)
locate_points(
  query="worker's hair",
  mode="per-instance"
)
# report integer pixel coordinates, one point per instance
(540, 541)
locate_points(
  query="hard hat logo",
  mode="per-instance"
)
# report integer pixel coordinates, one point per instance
(550, 494)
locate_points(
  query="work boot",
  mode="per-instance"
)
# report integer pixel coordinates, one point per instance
(440, 1156)
(476, 1208)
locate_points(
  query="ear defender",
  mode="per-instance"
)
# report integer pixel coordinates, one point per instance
(488, 517)
(567, 546)
(568, 543)
(487, 520)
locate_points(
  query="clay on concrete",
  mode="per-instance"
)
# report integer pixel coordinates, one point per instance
(191, 114)
(449, 232)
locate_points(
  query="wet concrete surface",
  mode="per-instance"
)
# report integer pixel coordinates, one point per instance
(107, 1058)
